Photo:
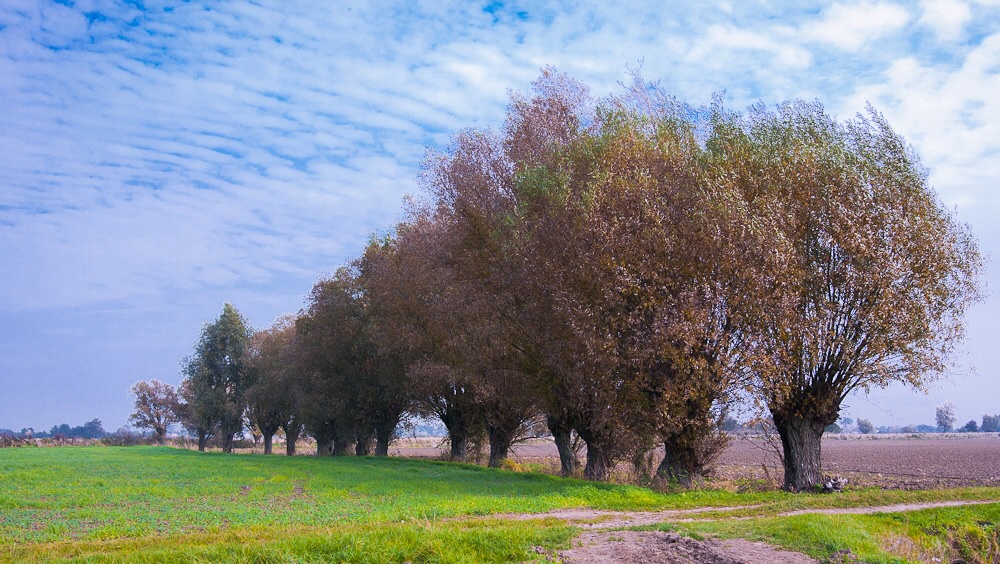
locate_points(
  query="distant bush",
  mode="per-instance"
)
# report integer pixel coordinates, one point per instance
(865, 426)
(124, 437)
(991, 423)
(970, 427)
(833, 428)
(9, 440)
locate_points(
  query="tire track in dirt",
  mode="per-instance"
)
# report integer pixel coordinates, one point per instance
(603, 541)
(596, 519)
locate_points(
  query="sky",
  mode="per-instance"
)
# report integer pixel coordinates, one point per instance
(158, 159)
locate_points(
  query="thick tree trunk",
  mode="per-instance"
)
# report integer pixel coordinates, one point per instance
(383, 438)
(324, 446)
(227, 443)
(457, 425)
(363, 446)
(291, 436)
(161, 435)
(202, 441)
(268, 440)
(343, 447)
(562, 433)
(600, 460)
(459, 446)
(801, 442)
(500, 441)
(673, 468)
(599, 464)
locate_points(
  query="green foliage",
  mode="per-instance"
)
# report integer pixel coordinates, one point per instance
(865, 426)
(216, 377)
(991, 423)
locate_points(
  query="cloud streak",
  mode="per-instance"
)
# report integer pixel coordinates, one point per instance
(178, 153)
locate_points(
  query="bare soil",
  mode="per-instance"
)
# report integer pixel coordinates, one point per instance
(921, 461)
(893, 462)
(649, 546)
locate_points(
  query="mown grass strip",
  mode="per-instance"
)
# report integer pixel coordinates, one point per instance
(970, 532)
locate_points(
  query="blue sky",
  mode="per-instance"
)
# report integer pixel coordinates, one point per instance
(160, 158)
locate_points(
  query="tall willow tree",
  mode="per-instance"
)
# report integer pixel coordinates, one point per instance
(590, 222)
(855, 276)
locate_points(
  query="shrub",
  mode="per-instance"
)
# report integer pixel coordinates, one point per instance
(991, 423)
(124, 437)
(865, 426)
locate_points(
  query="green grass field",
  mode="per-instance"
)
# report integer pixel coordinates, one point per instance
(163, 504)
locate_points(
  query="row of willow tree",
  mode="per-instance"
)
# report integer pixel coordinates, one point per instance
(620, 269)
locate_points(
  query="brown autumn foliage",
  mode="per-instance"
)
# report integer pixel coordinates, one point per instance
(451, 335)
(156, 407)
(272, 400)
(624, 267)
(868, 274)
(589, 222)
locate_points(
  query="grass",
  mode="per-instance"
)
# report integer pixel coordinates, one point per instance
(162, 504)
(969, 532)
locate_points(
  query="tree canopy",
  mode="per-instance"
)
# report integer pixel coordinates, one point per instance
(621, 269)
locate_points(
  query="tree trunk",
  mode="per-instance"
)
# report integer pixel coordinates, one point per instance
(382, 445)
(343, 446)
(599, 464)
(363, 447)
(291, 436)
(268, 440)
(227, 443)
(383, 437)
(324, 446)
(671, 467)
(801, 442)
(562, 433)
(500, 441)
(459, 446)
(161, 435)
(457, 425)
(202, 441)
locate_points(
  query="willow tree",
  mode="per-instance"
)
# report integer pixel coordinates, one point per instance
(589, 221)
(272, 400)
(856, 276)
(435, 311)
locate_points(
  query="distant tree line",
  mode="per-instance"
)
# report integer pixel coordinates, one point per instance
(616, 271)
(92, 429)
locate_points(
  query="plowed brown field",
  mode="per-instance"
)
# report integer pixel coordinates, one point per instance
(893, 461)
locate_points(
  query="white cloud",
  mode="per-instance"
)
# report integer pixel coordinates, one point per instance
(853, 26)
(946, 17)
(782, 49)
(952, 116)
(237, 152)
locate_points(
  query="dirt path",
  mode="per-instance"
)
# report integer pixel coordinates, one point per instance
(601, 542)
(596, 519)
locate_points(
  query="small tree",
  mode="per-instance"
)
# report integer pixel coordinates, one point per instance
(865, 426)
(970, 427)
(991, 423)
(945, 415)
(156, 406)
